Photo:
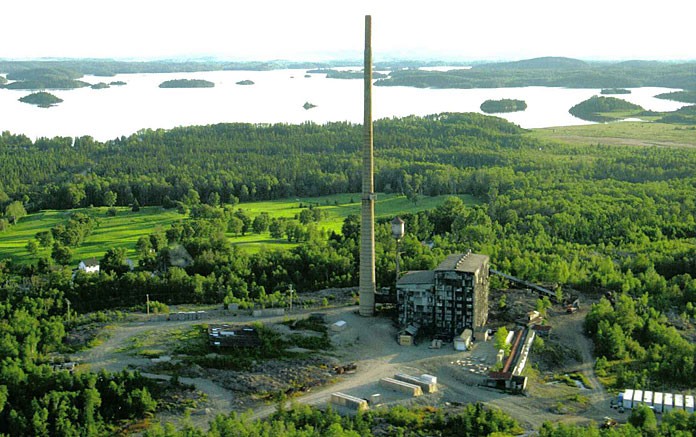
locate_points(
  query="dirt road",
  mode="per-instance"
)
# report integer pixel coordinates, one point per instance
(370, 343)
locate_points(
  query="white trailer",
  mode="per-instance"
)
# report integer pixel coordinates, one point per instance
(689, 403)
(657, 401)
(648, 398)
(668, 403)
(637, 398)
(627, 401)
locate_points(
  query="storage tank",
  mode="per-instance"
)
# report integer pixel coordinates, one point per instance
(627, 401)
(657, 401)
(679, 402)
(667, 403)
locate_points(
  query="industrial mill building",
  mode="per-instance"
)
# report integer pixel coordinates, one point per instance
(445, 301)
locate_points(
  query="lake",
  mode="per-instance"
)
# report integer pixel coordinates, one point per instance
(276, 96)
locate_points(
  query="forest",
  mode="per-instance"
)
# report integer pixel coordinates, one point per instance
(187, 83)
(609, 91)
(679, 96)
(602, 109)
(552, 72)
(503, 105)
(596, 218)
(42, 99)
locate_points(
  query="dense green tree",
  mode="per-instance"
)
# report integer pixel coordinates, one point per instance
(32, 247)
(45, 238)
(643, 418)
(114, 260)
(235, 225)
(61, 254)
(15, 211)
(110, 198)
(276, 227)
(261, 223)
(499, 340)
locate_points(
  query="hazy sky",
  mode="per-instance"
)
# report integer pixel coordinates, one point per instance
(326, 29)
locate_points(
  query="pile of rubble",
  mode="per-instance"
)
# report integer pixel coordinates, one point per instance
(268, 379)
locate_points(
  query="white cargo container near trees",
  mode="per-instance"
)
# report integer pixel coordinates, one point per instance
(668, 403)
(679, 402)
(627, 401)
(637, 398)
(689, 403)
(657, 401)
(648, 398)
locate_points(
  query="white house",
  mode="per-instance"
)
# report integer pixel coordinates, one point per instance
(90, 265)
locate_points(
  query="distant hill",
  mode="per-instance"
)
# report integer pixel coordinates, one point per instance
(552, 72)
(679, 96)
(638, 64)
(545, 63)
(44, 78)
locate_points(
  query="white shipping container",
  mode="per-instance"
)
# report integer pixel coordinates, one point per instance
(628, 398)
(657, 401)
(689, 403)
(430, 379)
(648, 398)
(637, 398)
(668, 402)
(679, 402)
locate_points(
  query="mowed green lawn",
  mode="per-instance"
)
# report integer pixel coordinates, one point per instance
(124, 229)
(338, 207)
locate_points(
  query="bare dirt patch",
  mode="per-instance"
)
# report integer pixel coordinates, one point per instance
(371, 344)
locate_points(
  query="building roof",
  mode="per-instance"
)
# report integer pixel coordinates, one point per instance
(463, 262)
(417, 277)
(91, 262)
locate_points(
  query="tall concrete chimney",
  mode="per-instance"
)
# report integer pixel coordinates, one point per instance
(367, 222)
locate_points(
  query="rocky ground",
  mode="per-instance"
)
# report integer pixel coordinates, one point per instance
(371, 344)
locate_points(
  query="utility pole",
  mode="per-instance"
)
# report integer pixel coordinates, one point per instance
(147, 300)
(398, 231)
(290, 292)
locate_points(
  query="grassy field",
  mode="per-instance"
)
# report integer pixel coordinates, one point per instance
(124, 229)
(622, 133)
